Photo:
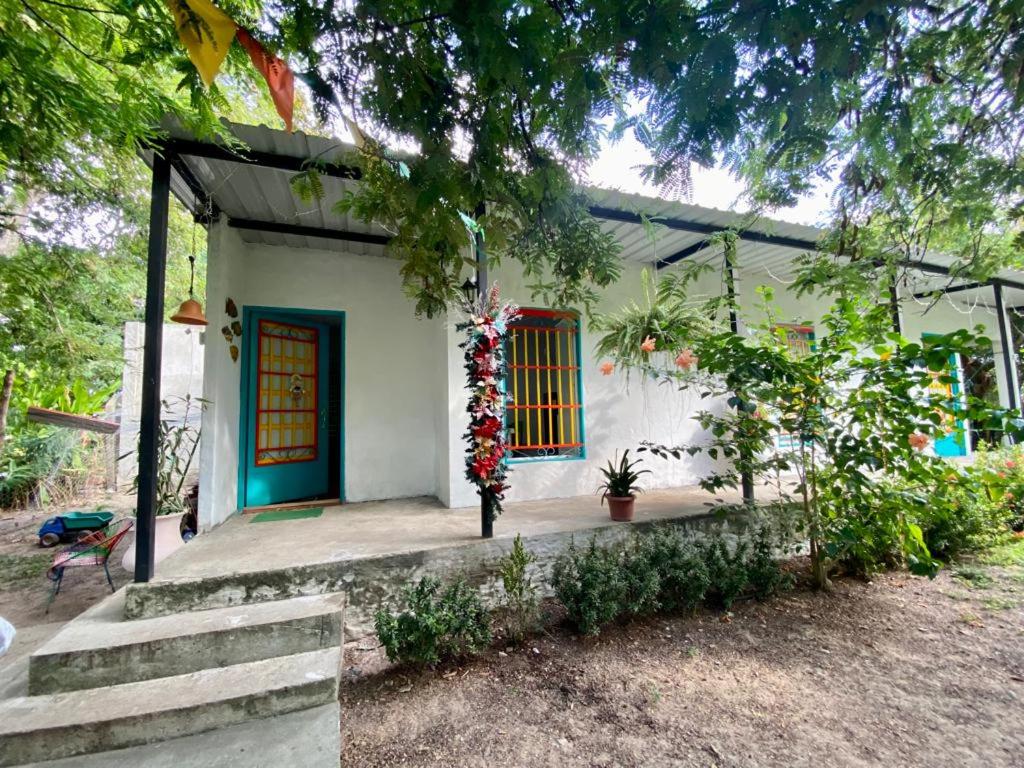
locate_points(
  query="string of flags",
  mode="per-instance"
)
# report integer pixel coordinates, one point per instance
(207, 33)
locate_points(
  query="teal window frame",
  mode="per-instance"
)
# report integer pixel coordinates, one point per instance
(581, 453)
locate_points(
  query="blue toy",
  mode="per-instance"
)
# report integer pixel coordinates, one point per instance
(72, 526)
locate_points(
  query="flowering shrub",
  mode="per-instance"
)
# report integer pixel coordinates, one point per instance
(1001, 473)
(484, 347)
(851, 419)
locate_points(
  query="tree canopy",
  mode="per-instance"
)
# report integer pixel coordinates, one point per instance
(914, 106)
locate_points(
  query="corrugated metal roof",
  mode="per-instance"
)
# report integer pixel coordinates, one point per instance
(265, 194)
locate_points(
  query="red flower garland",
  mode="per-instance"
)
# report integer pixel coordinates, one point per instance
(485, 368)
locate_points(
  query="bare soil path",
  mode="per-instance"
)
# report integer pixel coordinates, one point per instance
(24, 588)
(898, 672)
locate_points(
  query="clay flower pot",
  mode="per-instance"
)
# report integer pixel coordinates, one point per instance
(621, 508)
(167, 540)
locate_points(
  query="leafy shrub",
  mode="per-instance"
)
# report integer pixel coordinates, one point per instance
(727, 571)
(870, 540)
(682, 576)
(1001, 473)
(641, 581)
(964, 520)
(520, 604)
(43, 464)
(436, 625)
(177, 444)
(765, 576)
(589, 583)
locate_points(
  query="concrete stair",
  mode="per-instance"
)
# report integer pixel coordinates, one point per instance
(199, 688)
(101, 648)
(310, 738)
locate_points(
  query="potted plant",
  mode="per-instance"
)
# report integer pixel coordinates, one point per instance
(178, 441)
(620, 487)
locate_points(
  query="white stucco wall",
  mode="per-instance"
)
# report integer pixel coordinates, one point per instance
(404, 382)
(218, 457)
(619, 412)
(181, 374)
(392, 366)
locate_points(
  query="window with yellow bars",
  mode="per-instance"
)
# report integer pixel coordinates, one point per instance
(800, 341)
(286, 394)
(799, 338)
(544, 411)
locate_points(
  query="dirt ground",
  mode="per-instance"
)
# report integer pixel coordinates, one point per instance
(24, 587)
(898, 672)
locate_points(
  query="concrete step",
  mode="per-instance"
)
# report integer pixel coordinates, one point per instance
(307, 739)
(62, 725)
(100, 648)
(163, 597)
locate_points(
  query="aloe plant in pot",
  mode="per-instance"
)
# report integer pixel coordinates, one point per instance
(620, 487)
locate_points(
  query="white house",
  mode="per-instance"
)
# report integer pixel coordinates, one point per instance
(340, 392)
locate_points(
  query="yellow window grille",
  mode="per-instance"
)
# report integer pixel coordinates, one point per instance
(286, 393)
(800, 341)
(544, 414)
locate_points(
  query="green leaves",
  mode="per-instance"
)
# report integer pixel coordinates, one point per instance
(852, 426)
(438, 623)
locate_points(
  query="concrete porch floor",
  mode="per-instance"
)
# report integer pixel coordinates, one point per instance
(401, 526)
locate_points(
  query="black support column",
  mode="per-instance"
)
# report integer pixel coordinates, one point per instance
(894, 306)
(486, 513)
(746, 476)
(1006, 345)
(149, 425)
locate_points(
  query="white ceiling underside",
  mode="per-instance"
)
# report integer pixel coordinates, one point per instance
(262, 194)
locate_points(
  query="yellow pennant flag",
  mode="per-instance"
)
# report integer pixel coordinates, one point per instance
(206, 31)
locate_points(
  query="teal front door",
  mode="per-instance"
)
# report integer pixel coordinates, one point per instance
(287, 407)
(955, 441)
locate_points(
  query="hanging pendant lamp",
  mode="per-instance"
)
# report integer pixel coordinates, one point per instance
(191, 311)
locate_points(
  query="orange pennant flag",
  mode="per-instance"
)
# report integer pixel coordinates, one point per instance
(280, 79)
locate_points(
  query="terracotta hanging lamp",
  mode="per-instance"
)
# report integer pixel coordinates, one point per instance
(191, 311)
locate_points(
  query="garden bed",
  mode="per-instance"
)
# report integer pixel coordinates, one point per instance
(899, 671)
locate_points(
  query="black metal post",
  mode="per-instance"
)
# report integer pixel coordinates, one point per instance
(894, 306)
(486, 513)
(1005, 341)
(746, 476)
(149, 425)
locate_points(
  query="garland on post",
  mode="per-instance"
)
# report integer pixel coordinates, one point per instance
(486, 331)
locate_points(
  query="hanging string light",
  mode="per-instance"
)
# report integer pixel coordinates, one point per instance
(191, 311)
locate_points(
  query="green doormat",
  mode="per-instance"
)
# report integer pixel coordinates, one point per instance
(286, 514)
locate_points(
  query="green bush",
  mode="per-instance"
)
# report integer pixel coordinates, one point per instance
(520, 603)
(765, 576)
(964, 520)
(1001, 473)
(641, 580)
(682, 576)
(870, 540)
(436, 625)
(663, 572)
(43, 465)
(727, 571)
(589, 583)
